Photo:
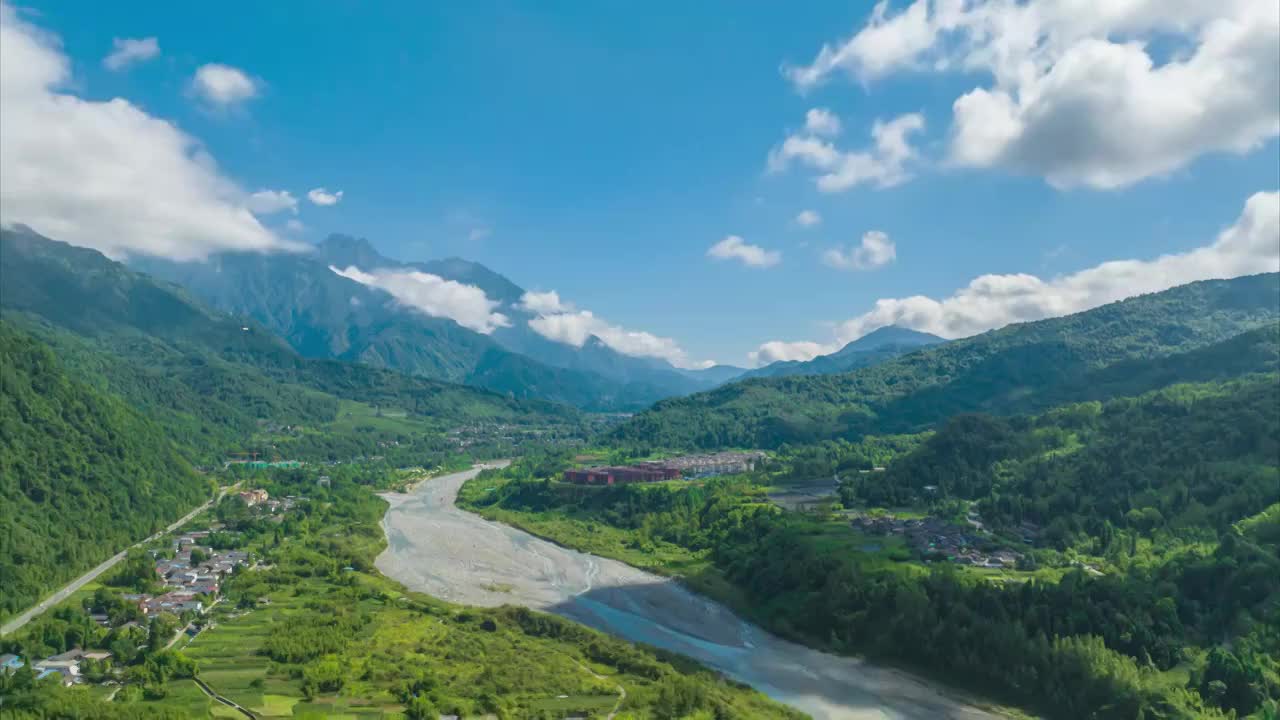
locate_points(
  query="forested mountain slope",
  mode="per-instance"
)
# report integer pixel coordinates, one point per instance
(208, 378)
(1020, 368)
(324, 315)
(1184, 457)
(81, 473)
(1142, 537)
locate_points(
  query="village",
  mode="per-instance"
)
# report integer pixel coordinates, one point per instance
(189, 575)
(933, 538)
(687, 467)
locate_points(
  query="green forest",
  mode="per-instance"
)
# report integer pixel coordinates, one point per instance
(82, 474)
(1174, 494)
(116, 387)
(1194, 332)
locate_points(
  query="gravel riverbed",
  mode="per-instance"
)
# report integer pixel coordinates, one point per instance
(436, 548)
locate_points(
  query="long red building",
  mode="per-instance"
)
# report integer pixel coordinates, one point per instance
(628, 474)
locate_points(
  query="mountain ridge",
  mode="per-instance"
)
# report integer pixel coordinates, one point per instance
(1019, 368)
(877, 346)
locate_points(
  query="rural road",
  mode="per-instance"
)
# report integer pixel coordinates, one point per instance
(36, 610)
(436, 548)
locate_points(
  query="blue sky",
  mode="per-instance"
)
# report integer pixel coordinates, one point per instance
(601, 149)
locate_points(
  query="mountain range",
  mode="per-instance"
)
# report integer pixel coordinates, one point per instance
(323, 314)
(114, 386)
(1198, 332)
(193, 366)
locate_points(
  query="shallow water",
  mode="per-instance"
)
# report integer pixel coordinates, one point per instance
(436, 548)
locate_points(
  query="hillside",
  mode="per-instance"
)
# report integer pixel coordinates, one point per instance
(1020, 368)
(323, 315)
(209, 379)
(81, 473)
(1186, 456)
(1140, 574)
(873, 348)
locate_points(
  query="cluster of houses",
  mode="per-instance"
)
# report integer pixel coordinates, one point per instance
(66, 666)
(488, 433)
(721, 463)
(185, 581)
(686, 466)
(933, 537)
(260, 499)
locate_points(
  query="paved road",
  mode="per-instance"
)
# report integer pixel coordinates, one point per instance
(39, 608)
(435, 547)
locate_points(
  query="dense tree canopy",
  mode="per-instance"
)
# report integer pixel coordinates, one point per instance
(81, 473)
(1190, 333)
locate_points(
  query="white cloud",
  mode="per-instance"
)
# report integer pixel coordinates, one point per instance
(107, 175)
(223, 85)
(130, 51)
(821, 122)
(733, 248)
(1077, 95)
(1250, 245)
(875, 250)
(543, 303)
(266, 202)
(478, 233)
(884, 164)
(808, 218)
(294, 225)
(432, 295)
(320, 196)
(777, 350)
(562, 322)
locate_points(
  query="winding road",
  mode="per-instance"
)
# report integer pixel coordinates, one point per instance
(436, 548)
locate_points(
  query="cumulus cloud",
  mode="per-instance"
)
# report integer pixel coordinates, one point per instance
(544, 303)
(223, 85)
(777, 350)
(884, 164)
(266, 202)
(130, 51)
(433, 295)
(322, 197)
(295, 225)
(107, 175)
(734, 248)
(1250, 245)
(560, 321)
(808, 218)
(875, 250)
(1081, 98)
(821, 122)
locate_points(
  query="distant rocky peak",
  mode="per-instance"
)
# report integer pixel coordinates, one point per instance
(346, 250)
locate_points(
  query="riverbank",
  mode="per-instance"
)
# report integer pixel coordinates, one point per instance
(435, 547)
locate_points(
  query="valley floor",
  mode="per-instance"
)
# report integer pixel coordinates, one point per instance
(437, 548)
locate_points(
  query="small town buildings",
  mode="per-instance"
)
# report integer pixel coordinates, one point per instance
(10, 662)
(253, 497)
(686, 466)
(69, 674)
(66, 664)
(612, 475)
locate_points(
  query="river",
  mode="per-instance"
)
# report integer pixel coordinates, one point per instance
(436, 548)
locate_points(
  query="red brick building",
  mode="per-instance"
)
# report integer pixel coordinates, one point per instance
(617, 475)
